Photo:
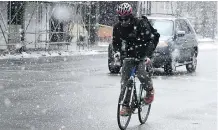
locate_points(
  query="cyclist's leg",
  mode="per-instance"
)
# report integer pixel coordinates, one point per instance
(126, 71)
(146, 81)
(144, 76)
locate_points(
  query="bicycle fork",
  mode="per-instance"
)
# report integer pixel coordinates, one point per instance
(127, 93)
(133, 97)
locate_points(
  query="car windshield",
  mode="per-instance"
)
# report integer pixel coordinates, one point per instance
(164, 27)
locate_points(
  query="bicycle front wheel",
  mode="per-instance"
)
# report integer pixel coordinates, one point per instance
(123, 121)
(143, 109)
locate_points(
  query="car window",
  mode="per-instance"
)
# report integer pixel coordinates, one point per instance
(190, 27)
(178, 26)
(184, 26)
(164, 27)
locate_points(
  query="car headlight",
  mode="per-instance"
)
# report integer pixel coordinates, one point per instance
(162, 44)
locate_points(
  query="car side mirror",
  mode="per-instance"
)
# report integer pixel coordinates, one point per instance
(180, 33)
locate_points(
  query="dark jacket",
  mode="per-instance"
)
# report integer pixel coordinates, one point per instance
(137, 37)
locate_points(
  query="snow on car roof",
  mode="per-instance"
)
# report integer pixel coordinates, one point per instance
(163, 16)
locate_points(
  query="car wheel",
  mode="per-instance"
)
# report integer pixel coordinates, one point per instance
(168, 69)
(192, 66)
(112, 68)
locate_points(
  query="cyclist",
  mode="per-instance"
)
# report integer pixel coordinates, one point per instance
(134, 36)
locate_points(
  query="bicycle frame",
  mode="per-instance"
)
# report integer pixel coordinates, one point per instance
(134, 92)
(134, 103)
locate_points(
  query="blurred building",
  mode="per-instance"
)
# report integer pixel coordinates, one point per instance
(217, 20)
(38, 24)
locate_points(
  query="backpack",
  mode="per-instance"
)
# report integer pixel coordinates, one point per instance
(154, 32)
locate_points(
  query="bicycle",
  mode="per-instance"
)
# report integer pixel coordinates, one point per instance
(136, 101)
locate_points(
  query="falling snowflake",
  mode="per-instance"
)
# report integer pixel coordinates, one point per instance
(7, 102)
(23, 68)
(62, 127)
(1, 87)
(90, 116)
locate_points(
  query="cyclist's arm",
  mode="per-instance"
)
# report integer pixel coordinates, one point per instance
(116, 42)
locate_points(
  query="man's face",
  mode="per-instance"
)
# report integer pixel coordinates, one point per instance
(125, 21)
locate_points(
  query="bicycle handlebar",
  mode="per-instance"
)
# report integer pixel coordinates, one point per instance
(136, 59)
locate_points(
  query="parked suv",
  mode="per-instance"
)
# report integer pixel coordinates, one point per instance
(177, 46)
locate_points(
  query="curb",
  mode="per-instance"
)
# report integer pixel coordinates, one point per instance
(50, 54)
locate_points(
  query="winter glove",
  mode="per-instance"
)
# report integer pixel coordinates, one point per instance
(149, 67)
(117, 59)
(117, 55)
(155, 40)
(157, 35)
(147, 61)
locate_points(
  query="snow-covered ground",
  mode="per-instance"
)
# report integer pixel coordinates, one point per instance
(207, 43)
(103, 43)
(208, 46)
(202, 46)
(49, 54)
(206, 40)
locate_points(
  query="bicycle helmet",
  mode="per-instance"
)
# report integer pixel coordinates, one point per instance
(124, 9)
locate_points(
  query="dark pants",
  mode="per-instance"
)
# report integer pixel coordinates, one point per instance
(143, 76)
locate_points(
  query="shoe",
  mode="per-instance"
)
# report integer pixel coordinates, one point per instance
(149, 97)
(125, 111)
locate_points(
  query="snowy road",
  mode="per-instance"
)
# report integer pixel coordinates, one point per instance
(78, 93)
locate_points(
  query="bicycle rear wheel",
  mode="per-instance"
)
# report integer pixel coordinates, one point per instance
(143, 109)
(123, 121)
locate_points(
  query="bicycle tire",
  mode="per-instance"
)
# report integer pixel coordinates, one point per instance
(142, 116)
(122, 127)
